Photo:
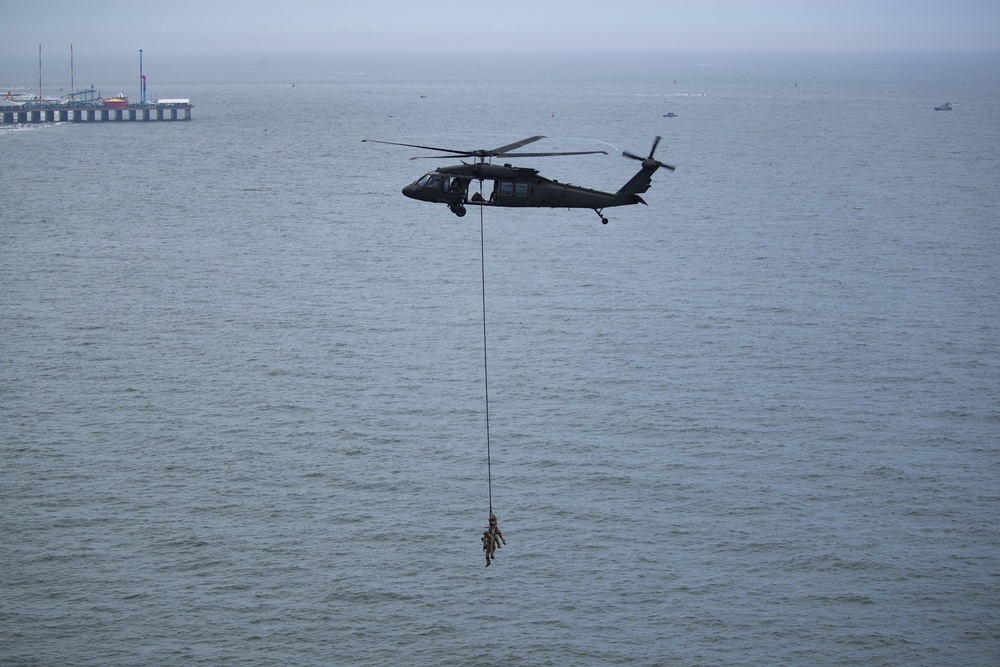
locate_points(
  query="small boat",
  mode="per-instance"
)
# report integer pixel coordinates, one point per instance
(670, 114)
(944, 107)
(119, 102)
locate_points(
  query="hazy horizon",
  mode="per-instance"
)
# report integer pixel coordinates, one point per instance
(305, 26)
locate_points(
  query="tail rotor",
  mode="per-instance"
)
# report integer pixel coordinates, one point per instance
(649, 161)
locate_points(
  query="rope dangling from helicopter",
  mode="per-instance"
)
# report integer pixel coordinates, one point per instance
(492, 535)
(486, 373)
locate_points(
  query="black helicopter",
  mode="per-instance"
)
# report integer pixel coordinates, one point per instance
(521, 186)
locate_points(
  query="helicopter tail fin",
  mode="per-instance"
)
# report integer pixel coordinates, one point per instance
(637, 184)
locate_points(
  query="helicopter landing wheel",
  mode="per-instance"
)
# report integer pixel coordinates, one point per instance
(457, 209)
(600, 215)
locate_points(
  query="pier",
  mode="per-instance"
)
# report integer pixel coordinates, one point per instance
(87, 106)
(26, 114)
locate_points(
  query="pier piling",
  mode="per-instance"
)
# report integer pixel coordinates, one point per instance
(28, 114)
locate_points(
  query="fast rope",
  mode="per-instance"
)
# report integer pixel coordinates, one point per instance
(486, 374)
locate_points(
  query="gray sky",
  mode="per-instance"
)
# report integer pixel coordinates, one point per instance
(108, 26)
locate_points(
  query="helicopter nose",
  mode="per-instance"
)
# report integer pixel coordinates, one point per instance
(410, 190)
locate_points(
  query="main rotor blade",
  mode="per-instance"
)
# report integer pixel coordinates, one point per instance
(496, 152)
(552, 154)
(450, 155)
(502, 151)
(456, 153)
(478, 154)
(429, 148)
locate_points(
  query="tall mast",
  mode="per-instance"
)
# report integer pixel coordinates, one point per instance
(142, 81)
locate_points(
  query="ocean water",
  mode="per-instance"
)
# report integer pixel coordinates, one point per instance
(754, 423)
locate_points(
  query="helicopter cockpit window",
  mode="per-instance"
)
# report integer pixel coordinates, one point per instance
(431, 181)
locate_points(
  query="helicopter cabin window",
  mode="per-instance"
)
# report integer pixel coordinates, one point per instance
(510, 189)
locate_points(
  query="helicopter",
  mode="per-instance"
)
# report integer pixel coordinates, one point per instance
(520, 186)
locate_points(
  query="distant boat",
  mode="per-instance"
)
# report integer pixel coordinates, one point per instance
(944, 107)
(670, 114)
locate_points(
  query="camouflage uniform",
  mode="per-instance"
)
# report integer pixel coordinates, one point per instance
(492, 537)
